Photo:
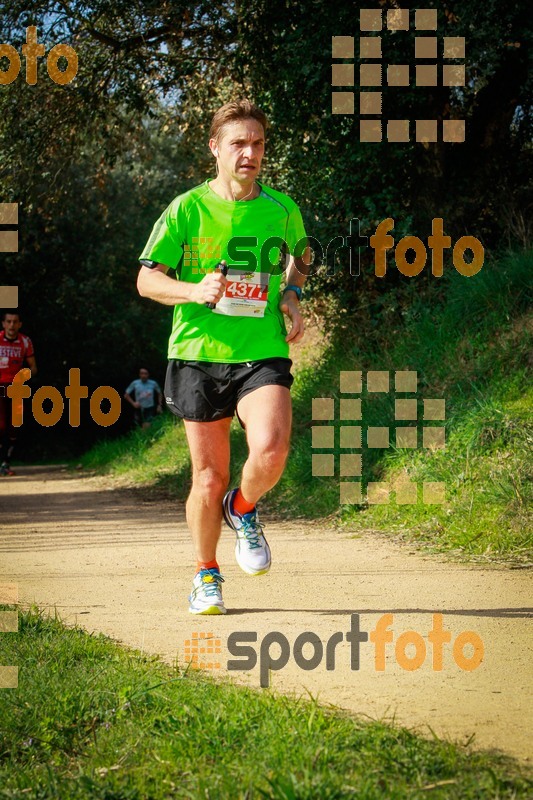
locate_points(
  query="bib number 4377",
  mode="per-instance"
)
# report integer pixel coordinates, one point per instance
(246, 294)
(253, 291)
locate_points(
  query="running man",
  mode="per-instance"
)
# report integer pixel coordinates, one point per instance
(15, 349)
(142, 395)
(232, 358)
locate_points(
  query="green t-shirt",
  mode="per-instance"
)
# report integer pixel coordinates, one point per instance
(196, 231)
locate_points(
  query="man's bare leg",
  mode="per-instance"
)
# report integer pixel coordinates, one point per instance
(210, 454)
(267, 416)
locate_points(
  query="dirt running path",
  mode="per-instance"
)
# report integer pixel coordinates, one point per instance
(115, 564)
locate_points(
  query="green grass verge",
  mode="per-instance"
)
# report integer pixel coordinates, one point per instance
(93, 720)
(470, 342)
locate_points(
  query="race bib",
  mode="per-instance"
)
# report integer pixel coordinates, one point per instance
(246, 294)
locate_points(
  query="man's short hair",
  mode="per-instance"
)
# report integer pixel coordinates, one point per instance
(233, 112)
(11, 311)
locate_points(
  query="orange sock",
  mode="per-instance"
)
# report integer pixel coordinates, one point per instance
(207, 565)
(240, 505)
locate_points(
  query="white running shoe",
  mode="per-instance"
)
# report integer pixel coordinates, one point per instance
(251, 548)
(206, 595)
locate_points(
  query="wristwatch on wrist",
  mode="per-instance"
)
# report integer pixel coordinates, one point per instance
(293, 288)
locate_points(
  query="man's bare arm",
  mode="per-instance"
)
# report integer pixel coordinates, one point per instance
(130, 400)
(295, 274)
(32, 364)
(157, 285)
(298, 269)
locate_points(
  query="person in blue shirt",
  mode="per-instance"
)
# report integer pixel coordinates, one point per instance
(146, 398)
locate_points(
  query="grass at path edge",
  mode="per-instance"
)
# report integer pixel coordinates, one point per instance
(91, 719)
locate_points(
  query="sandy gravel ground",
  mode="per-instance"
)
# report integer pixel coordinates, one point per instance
(112, 562)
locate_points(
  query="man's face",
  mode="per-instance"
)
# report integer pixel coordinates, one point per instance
(11, 325)
(144, 375)
(240, 147)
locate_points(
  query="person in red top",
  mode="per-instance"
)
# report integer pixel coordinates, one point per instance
(15, 351)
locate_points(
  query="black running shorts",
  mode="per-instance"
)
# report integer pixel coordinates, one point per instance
(203, 391)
